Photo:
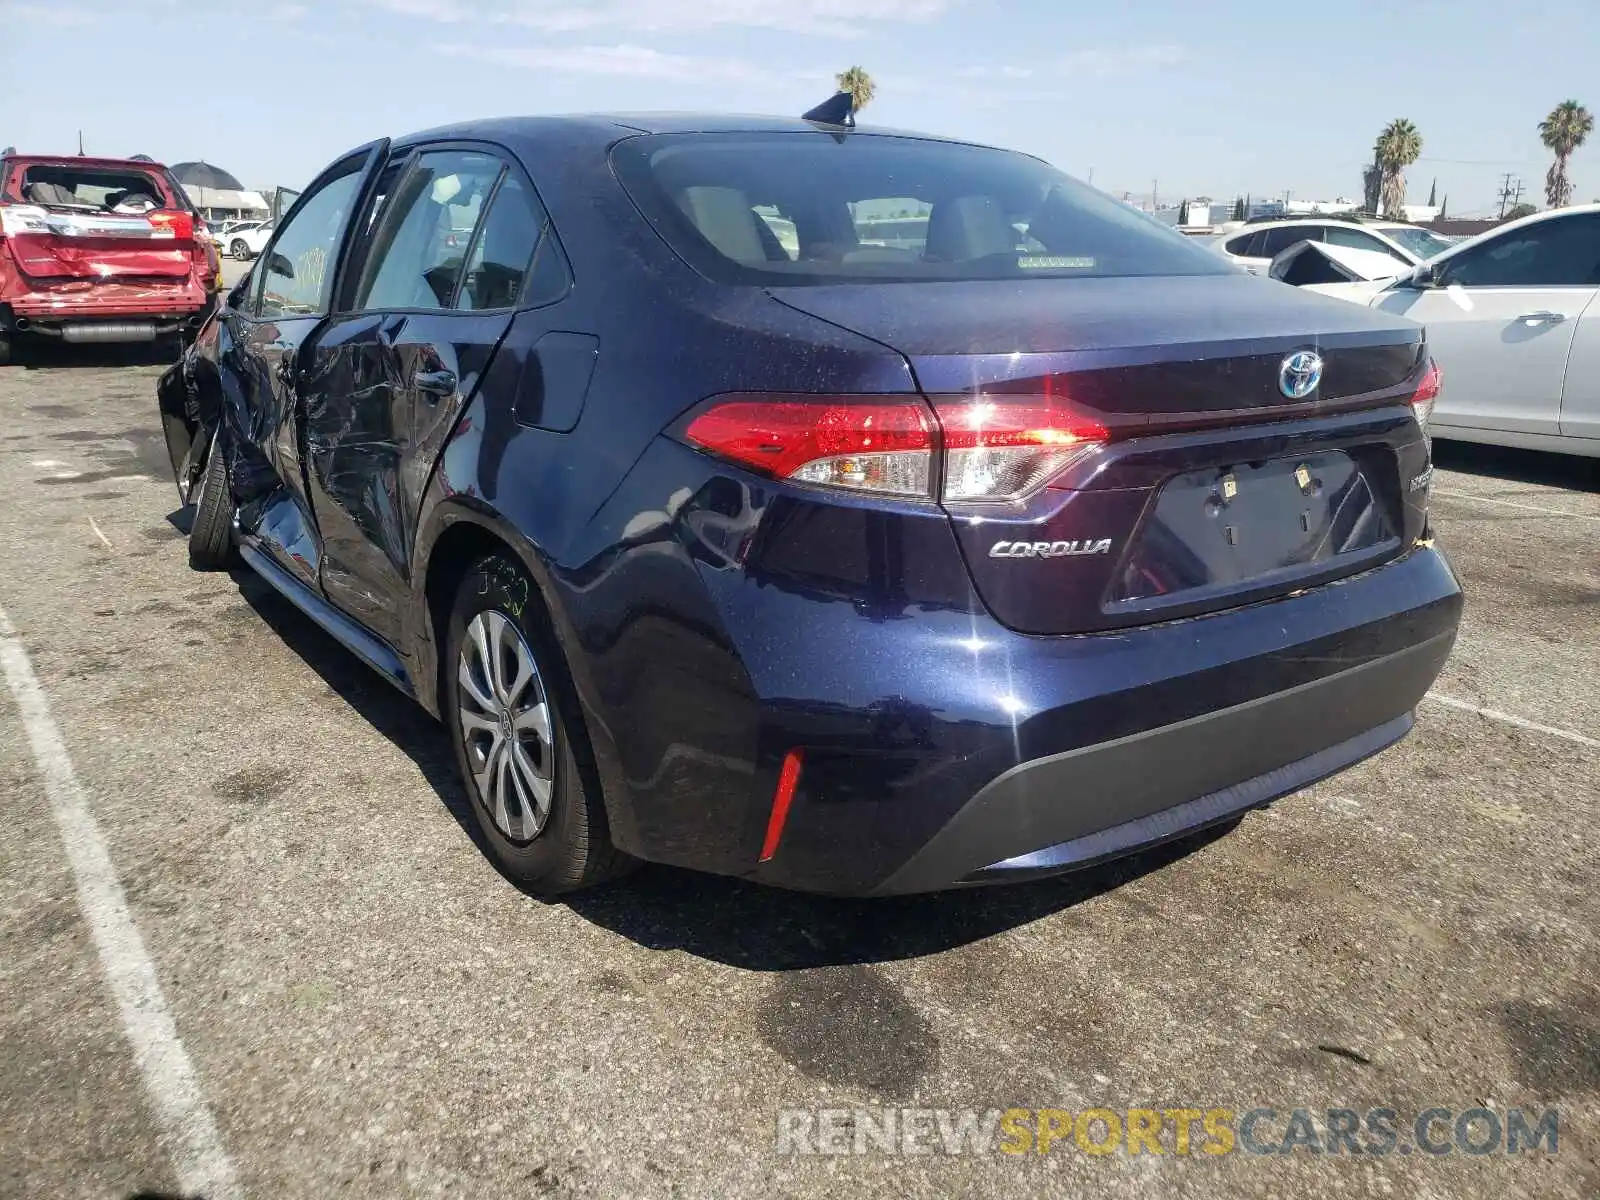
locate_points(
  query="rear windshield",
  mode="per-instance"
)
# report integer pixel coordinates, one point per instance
(95, 189)
(808, 208)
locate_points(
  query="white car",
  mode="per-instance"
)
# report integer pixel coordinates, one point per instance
(1513, 321)
(247, 241)
(1253, 247)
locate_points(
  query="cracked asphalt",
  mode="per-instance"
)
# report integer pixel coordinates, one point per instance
(372, 1011)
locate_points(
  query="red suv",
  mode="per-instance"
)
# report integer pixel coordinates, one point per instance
(100, 250)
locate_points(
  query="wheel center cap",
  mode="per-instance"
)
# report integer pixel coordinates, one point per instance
(505, 724)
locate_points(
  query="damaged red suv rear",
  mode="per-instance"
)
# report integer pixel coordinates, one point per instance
(97, 250)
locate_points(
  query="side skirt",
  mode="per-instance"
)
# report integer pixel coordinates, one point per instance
(369, 648)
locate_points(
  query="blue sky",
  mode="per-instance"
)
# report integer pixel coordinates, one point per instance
(1218, 98)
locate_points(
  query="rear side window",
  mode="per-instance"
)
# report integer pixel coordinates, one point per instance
(498, 269)
(420, 245)
(1244, 247)
(1275, 241)
(809, 207)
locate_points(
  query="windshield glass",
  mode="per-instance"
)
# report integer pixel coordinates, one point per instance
(1420, 242)
(807, 208)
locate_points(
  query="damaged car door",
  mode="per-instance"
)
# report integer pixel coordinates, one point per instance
(288, 300)
(389, 372)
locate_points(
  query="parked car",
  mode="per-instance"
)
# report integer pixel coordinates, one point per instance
(1514, 321)
(853, 568)
(247, 242)
(237, 223)
(1257, 244)
(99, 250)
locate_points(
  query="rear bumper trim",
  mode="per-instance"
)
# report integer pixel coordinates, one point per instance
(1197, 814)
(1068, 810)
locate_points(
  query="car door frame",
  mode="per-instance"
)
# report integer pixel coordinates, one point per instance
(425, 440)
(291, 439)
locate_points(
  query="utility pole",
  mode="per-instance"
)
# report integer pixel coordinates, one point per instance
(1510, 192)
(1155, 196)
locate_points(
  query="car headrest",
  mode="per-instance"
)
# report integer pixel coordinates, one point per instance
(724, 218)
(967, 227)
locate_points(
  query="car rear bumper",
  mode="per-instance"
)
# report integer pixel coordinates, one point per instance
(1079, 807)
(953, 752)
(49, 310)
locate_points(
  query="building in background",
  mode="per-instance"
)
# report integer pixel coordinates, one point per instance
(217, 194)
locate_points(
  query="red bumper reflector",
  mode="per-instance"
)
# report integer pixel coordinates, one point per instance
(788, 780)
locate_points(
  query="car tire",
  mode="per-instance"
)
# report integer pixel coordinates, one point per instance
(239, 249)
(5, 350)
(523, 758)
(211, 545)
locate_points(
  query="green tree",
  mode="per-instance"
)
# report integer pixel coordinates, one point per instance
(1398, 146)
(1522, 210)
(1566, 128)
(858, 83)
(1238, 209)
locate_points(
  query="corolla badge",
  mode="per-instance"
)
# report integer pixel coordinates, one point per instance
(1300, 374)
(1070, 549)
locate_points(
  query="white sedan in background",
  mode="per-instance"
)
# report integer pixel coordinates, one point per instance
(1513, 321)
(1253, 247)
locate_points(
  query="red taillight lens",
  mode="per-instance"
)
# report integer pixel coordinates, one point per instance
(1004, 451)
(180, 223)
(1422, 400)
(862, 442)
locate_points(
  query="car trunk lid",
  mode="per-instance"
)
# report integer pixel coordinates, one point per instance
(51, 243)
(1219, 480)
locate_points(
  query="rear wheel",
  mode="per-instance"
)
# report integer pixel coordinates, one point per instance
(211, 535)
(240, 249)
(5, 349)
(525, 764)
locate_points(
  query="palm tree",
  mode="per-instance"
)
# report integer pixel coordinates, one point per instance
(859, 84)
(1563, 131)
(1398, 146)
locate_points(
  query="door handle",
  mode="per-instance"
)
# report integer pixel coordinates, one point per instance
(1542, 318)
(435, 384)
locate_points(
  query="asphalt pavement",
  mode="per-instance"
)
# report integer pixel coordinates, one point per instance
(366, 1008)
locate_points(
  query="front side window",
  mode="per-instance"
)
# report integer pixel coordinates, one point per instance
(420, 244)
(297, 273)
(1561, 252)
(792, 208)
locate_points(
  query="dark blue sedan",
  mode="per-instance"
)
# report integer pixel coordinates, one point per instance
(861, 512)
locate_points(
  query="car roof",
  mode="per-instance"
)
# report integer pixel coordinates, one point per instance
(605, 128)
(80, 160)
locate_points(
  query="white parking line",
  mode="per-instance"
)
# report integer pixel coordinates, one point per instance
(1520, 722)
(1549, 512)
(202, 1165)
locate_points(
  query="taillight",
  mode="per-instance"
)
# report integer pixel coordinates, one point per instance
(990, 450)
(866, 443)
(1004, 451)
(1422, 400)
(22, 218)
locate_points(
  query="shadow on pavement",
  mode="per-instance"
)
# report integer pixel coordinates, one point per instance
(1519, 466)
(724, 920)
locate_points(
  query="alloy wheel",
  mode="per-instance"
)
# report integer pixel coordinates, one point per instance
(505, 725)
